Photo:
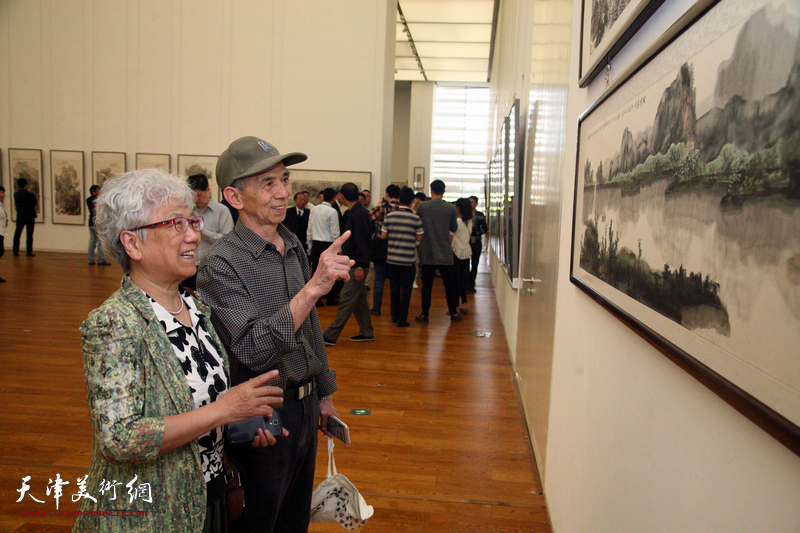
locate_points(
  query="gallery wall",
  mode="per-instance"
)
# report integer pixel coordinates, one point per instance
(174, 77)
(634, 443)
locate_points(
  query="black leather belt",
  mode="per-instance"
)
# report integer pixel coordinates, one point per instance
(299, 392)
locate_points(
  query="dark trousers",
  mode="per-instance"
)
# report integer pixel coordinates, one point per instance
(450, 289)
(279, 479)
(380, 270)
(28, 223)
(2, 246)
(476, 258)
(463, 277)
(353, 303)
(401, 279)
(317, 247)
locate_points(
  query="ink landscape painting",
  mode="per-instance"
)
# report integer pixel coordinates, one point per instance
(688, 199)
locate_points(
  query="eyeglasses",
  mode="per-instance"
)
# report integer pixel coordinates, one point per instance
(181, 224)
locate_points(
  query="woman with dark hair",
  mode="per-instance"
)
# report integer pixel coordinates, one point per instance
(462, 251)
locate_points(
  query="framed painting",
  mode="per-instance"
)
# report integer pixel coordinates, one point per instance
(505, 187)
(606, 26)
(67, 184)
(419, 177)
(687, 205)
(26, 163)
(106, 165)
(189, 165)
(161, 161)
(314, 181)
(498, 180)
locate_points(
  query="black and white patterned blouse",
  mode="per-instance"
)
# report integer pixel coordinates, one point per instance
(202, 365)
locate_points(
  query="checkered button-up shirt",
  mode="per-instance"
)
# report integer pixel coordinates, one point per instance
(378, 214)
(248, 284)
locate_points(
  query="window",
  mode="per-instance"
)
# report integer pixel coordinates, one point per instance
(460, 137)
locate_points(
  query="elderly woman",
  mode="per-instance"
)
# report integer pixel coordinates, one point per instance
(157, 373)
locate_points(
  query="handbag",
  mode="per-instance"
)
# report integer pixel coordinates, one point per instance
(337, 500)
(234, 493)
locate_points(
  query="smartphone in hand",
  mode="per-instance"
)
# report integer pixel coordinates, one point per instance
(245, 431)
(339, 429)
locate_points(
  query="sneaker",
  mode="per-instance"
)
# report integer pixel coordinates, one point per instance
(456, 318)
(2, 280)
(30, 254)
(464, 310)
(403, 323)
(91, 262)
(362, 338)
(328, 342)
(374, 312)
(104, 263)
(422, 318)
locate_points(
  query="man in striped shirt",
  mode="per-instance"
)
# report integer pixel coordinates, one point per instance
(403, 228)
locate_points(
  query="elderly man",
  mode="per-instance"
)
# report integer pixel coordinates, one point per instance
(258, 284)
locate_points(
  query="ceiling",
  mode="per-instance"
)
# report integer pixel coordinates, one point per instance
(444, 40)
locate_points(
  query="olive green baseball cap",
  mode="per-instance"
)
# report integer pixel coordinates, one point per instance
(249, 156)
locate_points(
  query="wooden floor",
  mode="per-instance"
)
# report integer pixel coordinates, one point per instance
(444, 449)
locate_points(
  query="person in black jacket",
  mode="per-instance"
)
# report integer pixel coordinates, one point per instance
(353, 299)
(94, 241)
(297, 218)
(26, 205)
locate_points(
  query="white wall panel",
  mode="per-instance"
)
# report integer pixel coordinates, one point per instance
(106, 90)
(150, 70)
(188, 77)
(314, 73)
(24, 71)
(198, 80)
(64, 80)
(255, 76)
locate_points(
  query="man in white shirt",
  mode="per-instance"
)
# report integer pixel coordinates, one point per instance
(323, 229)
(323, 226)
(217, 221)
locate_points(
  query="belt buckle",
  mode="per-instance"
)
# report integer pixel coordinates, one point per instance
(304, 390)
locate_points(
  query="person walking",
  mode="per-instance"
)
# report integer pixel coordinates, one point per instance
(27, 206)
(403, 229)
(353, 298)
(479, 228)
(3, 223)
(439, 223)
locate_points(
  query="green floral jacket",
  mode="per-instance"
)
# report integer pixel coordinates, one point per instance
(134, 380)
